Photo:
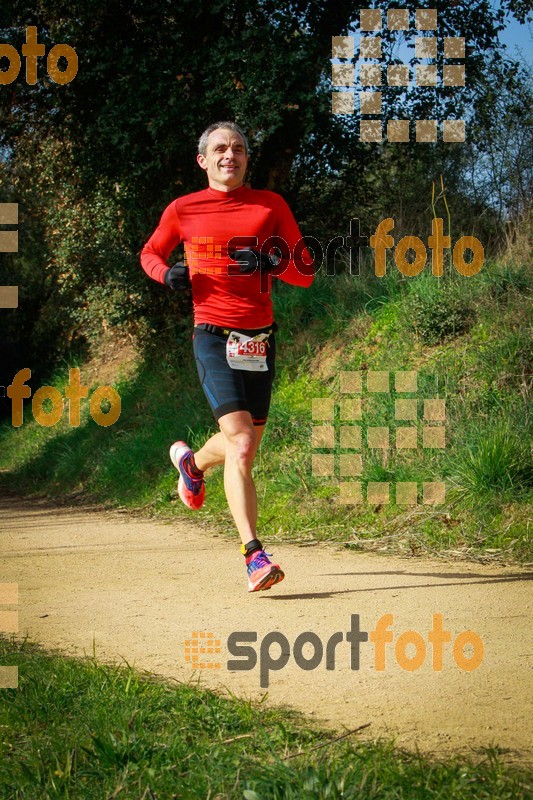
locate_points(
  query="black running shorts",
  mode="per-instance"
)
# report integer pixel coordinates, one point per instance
(230, 389)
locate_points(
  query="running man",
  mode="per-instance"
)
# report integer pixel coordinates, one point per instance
(224, 229)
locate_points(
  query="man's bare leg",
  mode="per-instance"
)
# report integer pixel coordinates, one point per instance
(236, 445)
(240, 440)
(213, 452)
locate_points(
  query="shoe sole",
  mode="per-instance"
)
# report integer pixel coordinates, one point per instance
(275, 575)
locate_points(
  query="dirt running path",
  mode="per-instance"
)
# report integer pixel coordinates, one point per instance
(139, 589)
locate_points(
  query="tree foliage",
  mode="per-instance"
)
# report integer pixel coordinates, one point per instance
(93, 163)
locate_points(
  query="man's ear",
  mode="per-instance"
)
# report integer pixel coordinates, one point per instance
(201, 161)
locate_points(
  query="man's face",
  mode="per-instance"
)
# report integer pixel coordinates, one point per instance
(225, 160)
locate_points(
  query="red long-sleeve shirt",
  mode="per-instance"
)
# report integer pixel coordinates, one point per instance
(206, 222)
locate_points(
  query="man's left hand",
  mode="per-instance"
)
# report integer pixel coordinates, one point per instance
(250, 260)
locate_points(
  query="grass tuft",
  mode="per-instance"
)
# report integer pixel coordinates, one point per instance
(495, 464)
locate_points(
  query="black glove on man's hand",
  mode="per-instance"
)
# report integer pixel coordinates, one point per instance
(249, 260)
(177, 277)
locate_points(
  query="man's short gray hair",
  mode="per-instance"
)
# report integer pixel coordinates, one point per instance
(232, 126)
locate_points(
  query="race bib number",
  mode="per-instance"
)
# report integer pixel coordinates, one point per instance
(246, 352)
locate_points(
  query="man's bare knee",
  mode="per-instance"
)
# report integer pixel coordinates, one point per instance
(242, 446)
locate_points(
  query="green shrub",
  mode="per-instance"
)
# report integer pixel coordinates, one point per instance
(439, 312)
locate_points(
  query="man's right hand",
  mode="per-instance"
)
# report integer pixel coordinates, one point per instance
(177, 277)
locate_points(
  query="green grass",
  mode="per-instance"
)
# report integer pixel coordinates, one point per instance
(482, 368)
(494, 462)
(79, 729)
